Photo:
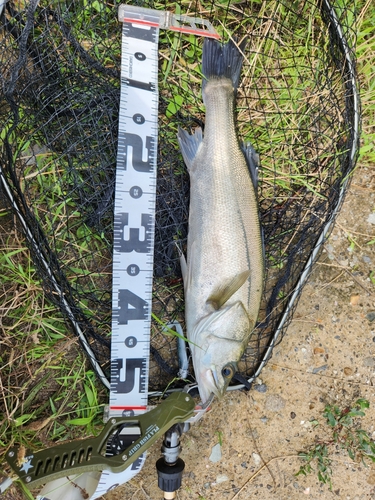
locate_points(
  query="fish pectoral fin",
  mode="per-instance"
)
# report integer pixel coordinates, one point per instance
(224, 292)
(231, 323)
(189, 144)
(187, 269)
(252, 160)
(183, 263)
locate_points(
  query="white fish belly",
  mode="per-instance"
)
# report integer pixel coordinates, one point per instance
(224, 234)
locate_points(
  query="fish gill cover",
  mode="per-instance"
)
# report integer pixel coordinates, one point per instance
(59, 108)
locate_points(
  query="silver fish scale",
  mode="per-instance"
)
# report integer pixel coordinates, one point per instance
(224, 233)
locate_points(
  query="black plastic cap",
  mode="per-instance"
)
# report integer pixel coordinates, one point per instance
(170, 476)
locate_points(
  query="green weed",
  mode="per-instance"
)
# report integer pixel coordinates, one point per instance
(343, 431)
(219, 437)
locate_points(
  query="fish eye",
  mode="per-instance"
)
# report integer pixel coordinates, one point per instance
(227, 371)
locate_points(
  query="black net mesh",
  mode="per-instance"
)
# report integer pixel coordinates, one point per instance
(59, 111)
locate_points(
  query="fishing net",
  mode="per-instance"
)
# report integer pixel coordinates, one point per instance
(59, 110)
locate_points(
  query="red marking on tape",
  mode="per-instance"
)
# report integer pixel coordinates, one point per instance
(195, 31)
(180, 29)
(140, 21)
(128, 407)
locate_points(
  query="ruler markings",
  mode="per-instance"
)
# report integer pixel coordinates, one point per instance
(134, 218)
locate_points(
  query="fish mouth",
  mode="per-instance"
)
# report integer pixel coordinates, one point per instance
(210, 386)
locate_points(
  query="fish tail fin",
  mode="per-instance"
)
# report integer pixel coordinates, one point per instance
(222, 61)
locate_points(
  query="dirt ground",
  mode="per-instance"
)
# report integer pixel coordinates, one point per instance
(327, 356)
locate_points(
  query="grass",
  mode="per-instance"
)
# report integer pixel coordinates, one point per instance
(48, 392)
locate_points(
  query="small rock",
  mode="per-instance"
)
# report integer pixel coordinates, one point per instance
(244, 465)
(366, 259)
(369, 361)
(254, 434)
(264, 419)
(370, 316)
(318, 350)
(260, 387)
(207, 485)
(348, 371)
(320, 369)
(354, 300)
(354, 261)
(292, 415)
(221, 478)
(35, 151)
(191, 475)
(274, 402)
(215, 453)
(371, 218)
(256, 459)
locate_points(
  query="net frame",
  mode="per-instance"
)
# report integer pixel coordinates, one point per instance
(56, 97)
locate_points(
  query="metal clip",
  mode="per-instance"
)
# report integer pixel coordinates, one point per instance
(201, 409)
(167, 20)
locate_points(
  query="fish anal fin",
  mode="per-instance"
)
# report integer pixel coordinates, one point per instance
(189, 144)
(223, 293)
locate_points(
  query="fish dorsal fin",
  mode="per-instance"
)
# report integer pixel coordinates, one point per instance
(189, 144)
(225, 291)
(252, 160)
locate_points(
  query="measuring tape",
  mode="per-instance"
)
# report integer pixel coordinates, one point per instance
(134, 217)
(134, 212)
(134, 222)
(135, 196)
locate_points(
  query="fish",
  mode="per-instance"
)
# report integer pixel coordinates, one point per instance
(223, 271)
